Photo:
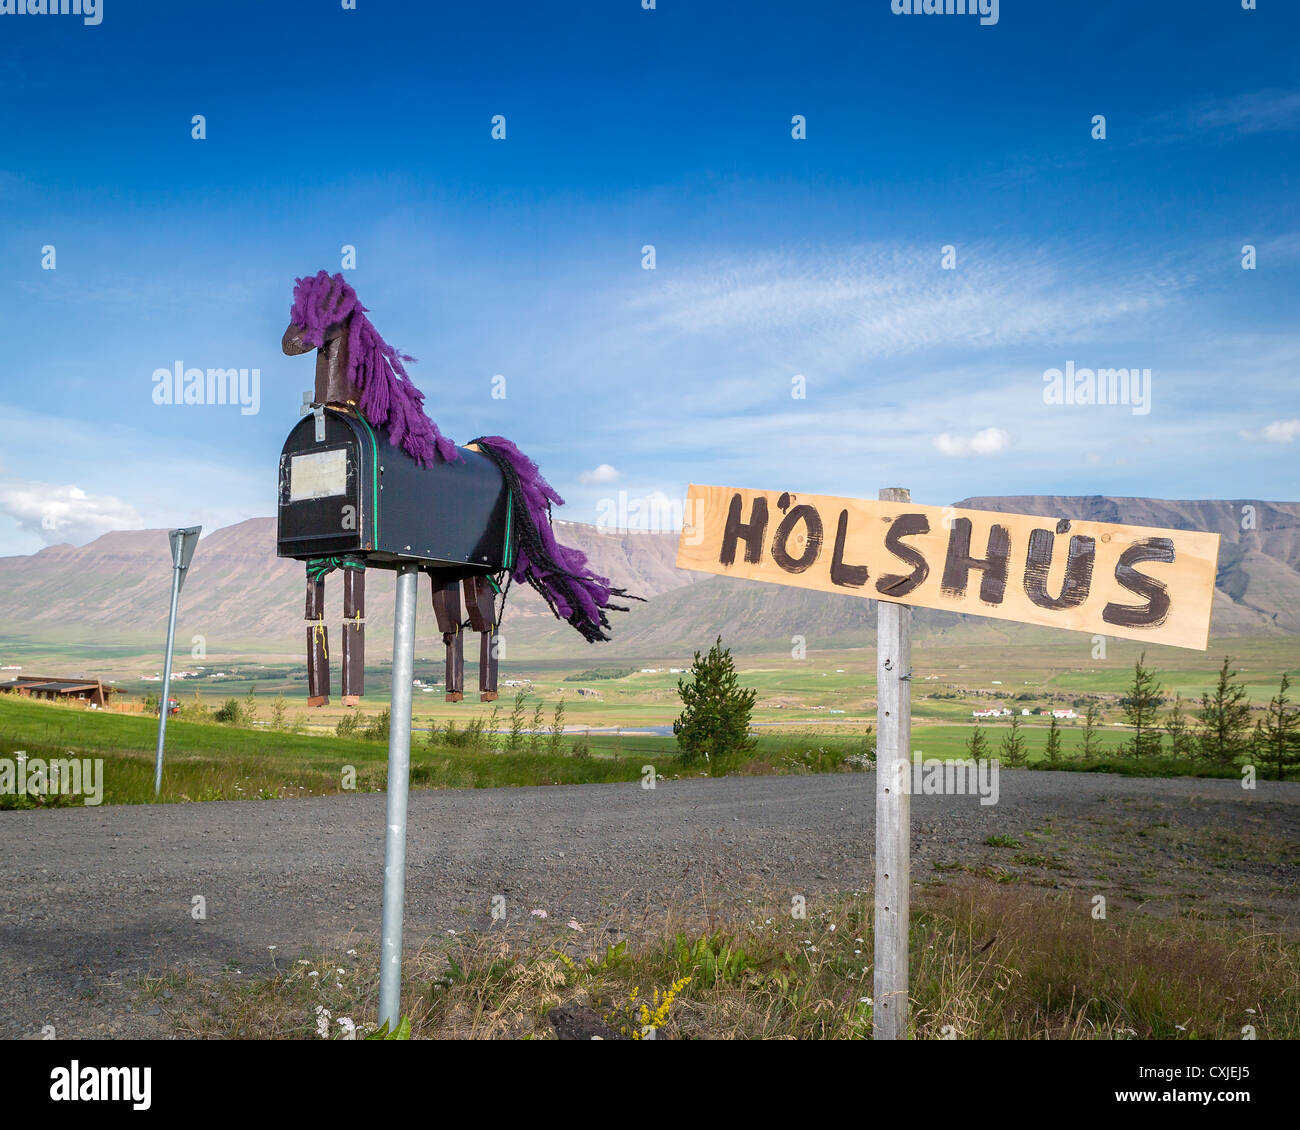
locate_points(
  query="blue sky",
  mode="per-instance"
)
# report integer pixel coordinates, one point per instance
(775, 257)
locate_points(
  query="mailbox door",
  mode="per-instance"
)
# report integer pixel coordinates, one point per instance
(325, 505)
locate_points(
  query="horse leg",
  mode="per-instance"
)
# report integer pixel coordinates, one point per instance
(482, 609)
(446, 608)
(354, 635)
(318, 646)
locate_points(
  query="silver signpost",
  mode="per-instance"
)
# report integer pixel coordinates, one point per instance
(893, 809)
(183, 543)
(399, 770)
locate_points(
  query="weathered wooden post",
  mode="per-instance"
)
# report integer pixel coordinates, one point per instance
(893, 808)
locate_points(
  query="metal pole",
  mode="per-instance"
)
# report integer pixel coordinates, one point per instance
(893, 809)
(167, 681)
(399, 772)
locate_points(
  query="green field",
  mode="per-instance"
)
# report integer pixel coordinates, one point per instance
(809, 714)
(217, 762)
(949, 681)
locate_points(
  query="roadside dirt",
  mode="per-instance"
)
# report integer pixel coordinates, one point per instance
(93, 899)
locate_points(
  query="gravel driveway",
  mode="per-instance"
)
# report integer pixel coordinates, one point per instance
(90, 898)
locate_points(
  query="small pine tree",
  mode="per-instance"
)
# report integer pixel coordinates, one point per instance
(194, 711)
(977, 746)
(1053, 751)
(229, 712)
(556, 741)
(537, 729)
(1140, 711)
(1092, 722)
(515, 740)
(488, 735)
(249, 712)
(1179, 729)
(279, 709)
(1012, 751)
(714, 724)
(348, 725)
(1277, 742)
(1224, 735)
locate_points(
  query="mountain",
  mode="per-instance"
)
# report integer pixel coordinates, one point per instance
(112, 594)
(240, 597)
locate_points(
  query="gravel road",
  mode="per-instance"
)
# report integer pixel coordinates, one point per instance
(90, 898)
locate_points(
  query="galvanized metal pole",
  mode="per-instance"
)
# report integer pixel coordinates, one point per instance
(167, 680)
(183, 542)
(399, 771)
(893, 809)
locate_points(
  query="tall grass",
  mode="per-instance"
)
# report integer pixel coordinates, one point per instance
(986, 963)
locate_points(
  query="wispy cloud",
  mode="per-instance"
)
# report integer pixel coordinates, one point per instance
(1259, 111)
(841, 308)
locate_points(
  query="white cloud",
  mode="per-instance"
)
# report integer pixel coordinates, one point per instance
(1279, 431)
(65, 513)
(602, 474)
(987, 442)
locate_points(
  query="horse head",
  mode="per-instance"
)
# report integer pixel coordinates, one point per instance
(321, 319)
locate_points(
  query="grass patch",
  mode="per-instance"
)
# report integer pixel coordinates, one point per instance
(987, 962)
(211, 761)
(216, 762)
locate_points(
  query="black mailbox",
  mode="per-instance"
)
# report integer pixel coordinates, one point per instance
(345, 490)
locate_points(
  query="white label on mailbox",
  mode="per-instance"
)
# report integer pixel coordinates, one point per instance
(319, 475)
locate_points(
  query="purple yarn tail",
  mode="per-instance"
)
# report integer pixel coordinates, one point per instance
(559, 572)
(389, 398)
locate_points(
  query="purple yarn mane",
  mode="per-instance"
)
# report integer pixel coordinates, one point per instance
(389, 399)
(558, 572)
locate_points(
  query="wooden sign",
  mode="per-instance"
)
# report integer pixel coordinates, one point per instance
(1136, 582)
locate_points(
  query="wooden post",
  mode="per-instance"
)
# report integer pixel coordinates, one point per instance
(893, 809)
(354, 636)
(318, 648)
(446, 609)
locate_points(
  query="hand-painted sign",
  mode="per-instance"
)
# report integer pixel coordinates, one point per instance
(1140, 583)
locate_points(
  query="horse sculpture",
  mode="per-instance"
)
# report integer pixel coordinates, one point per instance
(486, 505)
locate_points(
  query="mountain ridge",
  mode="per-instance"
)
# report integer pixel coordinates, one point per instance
(240, 596)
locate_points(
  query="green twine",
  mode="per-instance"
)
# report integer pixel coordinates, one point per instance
(318, 567)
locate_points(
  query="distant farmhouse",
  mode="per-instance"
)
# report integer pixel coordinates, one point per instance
(93, 692)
